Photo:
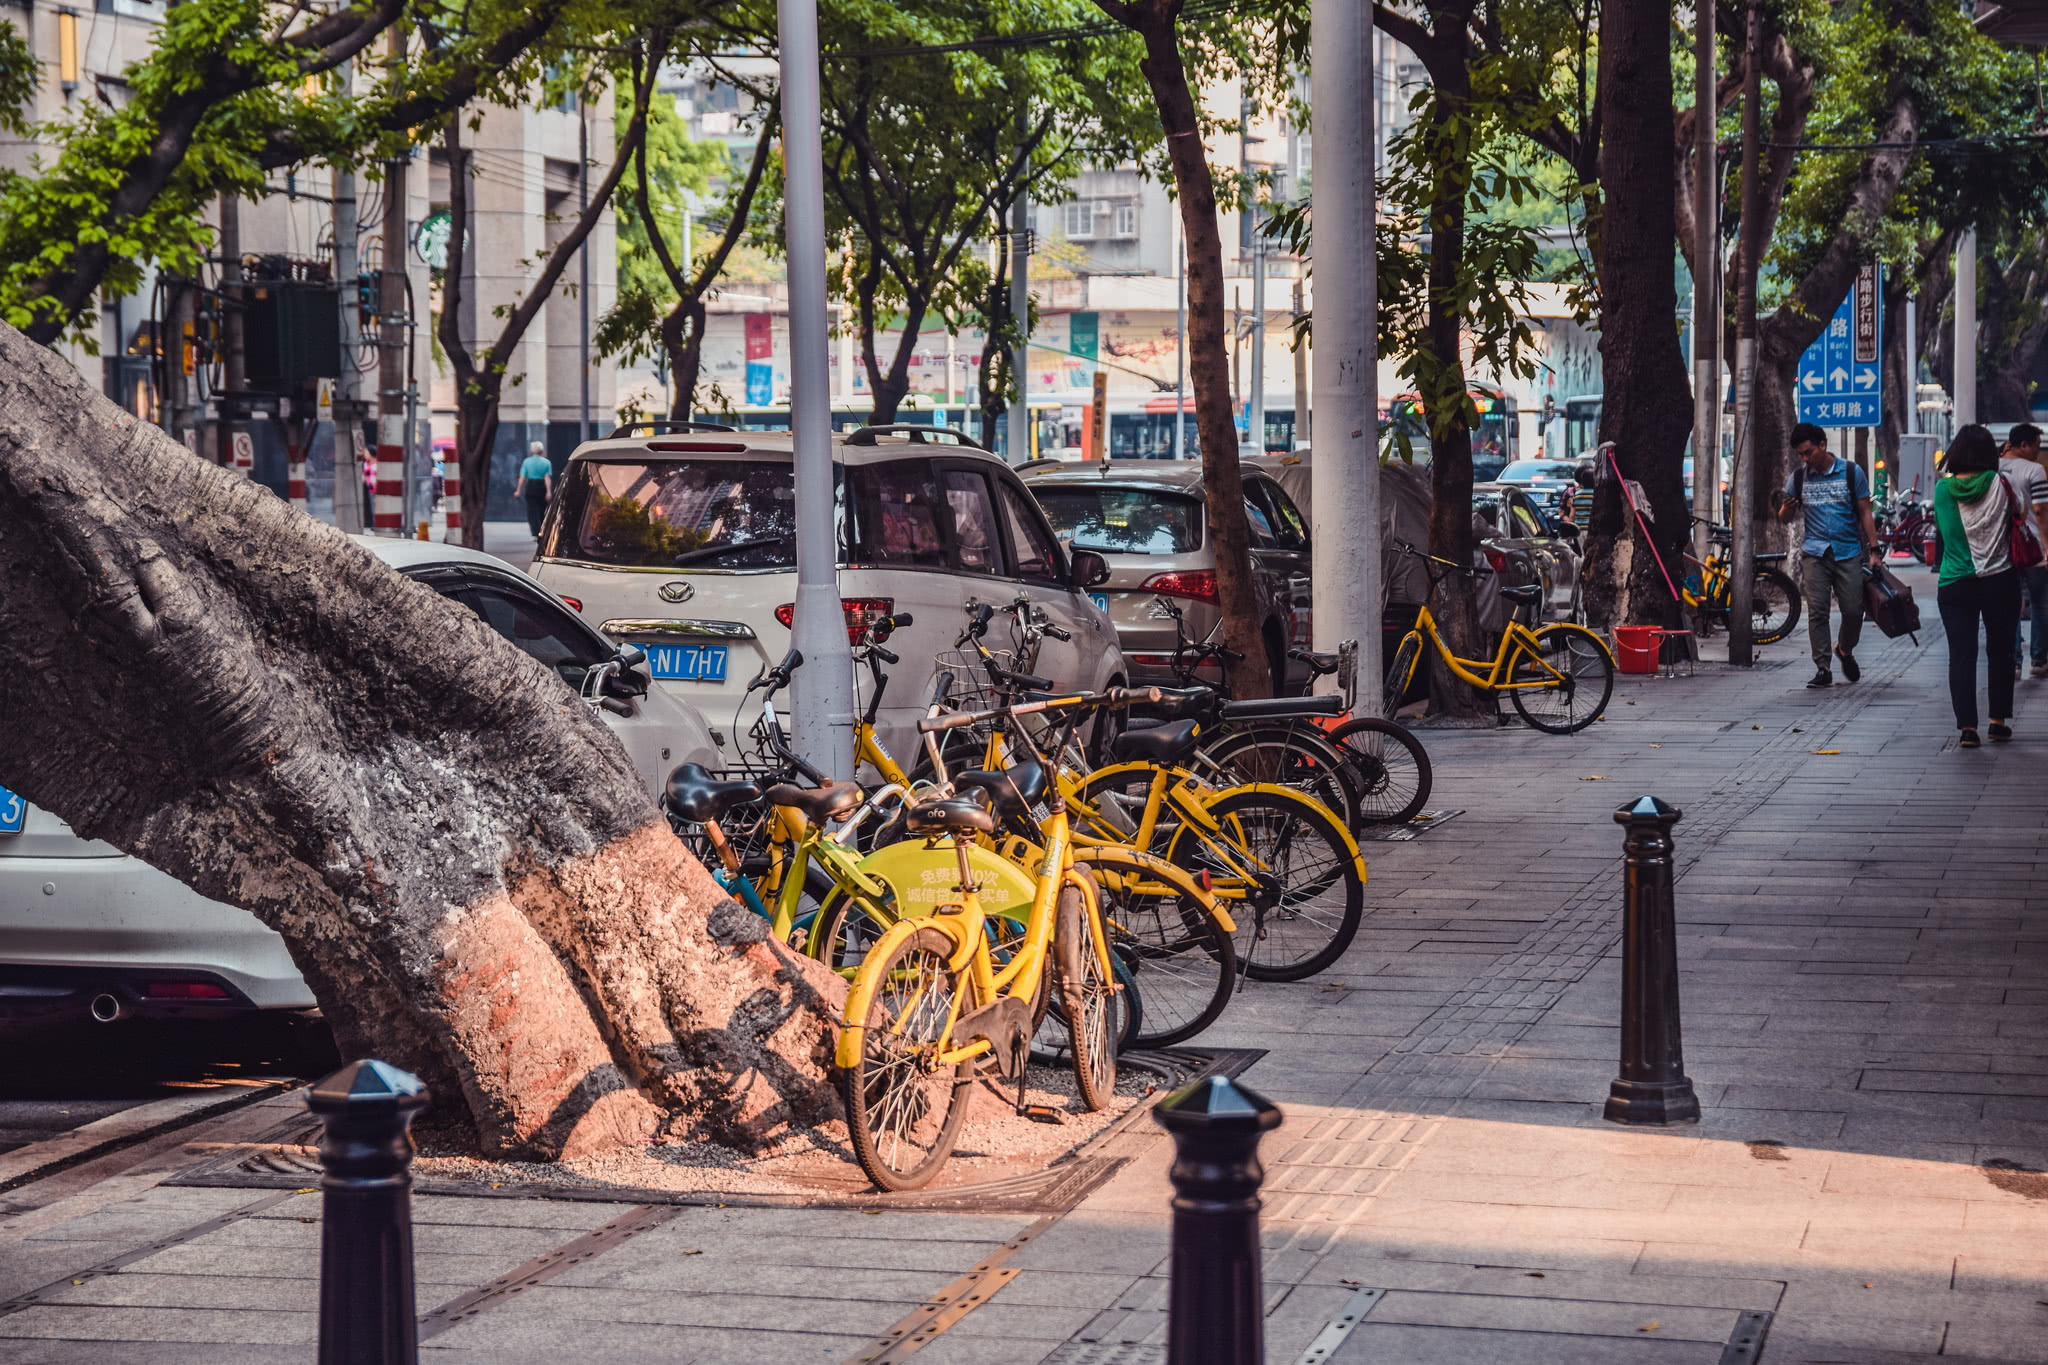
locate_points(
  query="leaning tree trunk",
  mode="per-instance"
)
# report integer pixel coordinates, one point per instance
(476, 437)
(1207, 342)
(459, 856)
(1647, 413)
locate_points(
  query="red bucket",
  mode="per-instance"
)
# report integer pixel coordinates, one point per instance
(1635, 648)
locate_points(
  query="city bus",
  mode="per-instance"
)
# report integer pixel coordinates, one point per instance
(1496, 435)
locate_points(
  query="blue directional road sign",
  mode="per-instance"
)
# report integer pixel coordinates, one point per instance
(1841, 381)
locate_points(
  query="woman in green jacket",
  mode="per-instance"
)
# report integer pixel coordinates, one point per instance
(1973, 511)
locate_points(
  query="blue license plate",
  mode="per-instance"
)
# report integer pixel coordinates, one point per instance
(1099, 600)
(13, 810)
(687, 663)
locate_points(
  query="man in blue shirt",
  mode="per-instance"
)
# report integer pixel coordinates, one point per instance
(1840, 533)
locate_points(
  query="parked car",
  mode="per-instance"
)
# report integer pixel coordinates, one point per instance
(685, 543)
(1549, 482)
(1148, 519)
(85, 928)
(1528, 546)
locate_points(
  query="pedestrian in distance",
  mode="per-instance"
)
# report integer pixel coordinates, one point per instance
(2021, 465)
(1974, 510)
(537, 484)
(1840, 538)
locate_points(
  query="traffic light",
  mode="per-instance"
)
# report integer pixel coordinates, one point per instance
(366, 298)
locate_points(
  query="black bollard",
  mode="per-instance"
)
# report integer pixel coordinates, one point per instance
(1217, 1313)
(366, 1288)
(1652, 1087)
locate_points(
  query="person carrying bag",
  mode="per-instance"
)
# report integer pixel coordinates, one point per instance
(1976, 514)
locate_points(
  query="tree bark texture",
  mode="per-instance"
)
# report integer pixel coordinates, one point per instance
(466, 868)
(1648, 410)
(1208, 340)
(1454, 600)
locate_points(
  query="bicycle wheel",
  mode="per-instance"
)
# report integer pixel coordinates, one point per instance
(1774, 607)
(1297, 756)
(902, 1110)
(1286, 873)
(1401, 672)
(1387, 767)
(846, 931)
(1174, 950)
(1088, 994)
(1578, 675)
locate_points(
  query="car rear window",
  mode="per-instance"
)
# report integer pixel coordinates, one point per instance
(711, 514)
(1125, 521)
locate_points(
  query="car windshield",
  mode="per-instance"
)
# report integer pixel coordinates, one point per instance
(1522, 471)
(711, 514)
(1123, 521)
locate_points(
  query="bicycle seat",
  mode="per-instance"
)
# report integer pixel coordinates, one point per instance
(1176, 702)
(1014, 789)
(1166, 744)
(695, 795)
(1321, 662)
(1525, 593)
(945, 817)
(818, 804)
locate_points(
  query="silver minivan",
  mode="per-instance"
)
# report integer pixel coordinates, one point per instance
(684, 542)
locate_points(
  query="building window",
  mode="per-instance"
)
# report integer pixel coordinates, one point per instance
(1126, 220)
(1080, 219)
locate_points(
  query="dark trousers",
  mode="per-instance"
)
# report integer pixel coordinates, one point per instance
(2036, 580)
(1996, 598)
(536, 508)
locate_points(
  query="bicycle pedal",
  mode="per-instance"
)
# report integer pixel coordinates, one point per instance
(1041, 1113)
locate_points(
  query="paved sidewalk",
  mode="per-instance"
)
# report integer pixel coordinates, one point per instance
(1864, 949)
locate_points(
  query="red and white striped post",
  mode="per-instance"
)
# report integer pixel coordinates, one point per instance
(391, 473)
(451, 495)
(295, 474)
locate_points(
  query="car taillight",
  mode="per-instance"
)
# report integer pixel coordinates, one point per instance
(576, 603)
(1199, 584)
(861, 612)
(1497, 561)
(184, 990)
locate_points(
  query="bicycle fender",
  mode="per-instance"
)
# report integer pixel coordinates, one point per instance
(1290, 794)
(1113, 858)
(846, 1053)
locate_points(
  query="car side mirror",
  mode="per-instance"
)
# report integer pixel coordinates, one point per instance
(1087, 568)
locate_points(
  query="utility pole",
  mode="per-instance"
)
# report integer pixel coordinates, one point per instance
(1706, 280)
(583, 264)
(1345, 511)
(824, 686)
(235, 367)
(1301, 412)
(1742, 512)
(392, 440)
(348, 417)
(1020, 309)
(1966, 332)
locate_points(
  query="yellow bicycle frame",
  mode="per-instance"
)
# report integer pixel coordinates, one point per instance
(1515, 641)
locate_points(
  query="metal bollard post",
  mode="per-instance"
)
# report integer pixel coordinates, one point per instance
(1217, 1313)
(366, 1286)
(1652, 1087)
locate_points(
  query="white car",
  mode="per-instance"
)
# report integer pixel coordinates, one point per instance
(86, 928)
(684, 542)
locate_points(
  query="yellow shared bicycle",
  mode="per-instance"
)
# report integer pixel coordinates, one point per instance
(1558, 676)
(931, 1003)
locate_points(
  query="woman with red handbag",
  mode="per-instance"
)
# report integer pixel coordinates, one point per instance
(1982, 542)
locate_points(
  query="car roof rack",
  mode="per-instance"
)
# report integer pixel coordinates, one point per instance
(1042, 462)
(660, 424)
(919, 433)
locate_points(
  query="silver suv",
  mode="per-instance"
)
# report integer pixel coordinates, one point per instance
(682, 539)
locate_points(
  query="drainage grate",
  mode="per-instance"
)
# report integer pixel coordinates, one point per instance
(1746, 1342)
(923, 1324)
(544, 1267)
(1332, 1336)
(1408, 829)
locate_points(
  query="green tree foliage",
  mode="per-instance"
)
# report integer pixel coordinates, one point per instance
(19, 74)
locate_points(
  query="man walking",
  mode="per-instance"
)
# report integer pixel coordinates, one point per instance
(2020, 463)
(1840, 532)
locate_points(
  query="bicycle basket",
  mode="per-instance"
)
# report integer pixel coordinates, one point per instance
(972, 690)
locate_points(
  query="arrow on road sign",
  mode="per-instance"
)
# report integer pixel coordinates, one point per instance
(1866, 378)
(1838, 376)
(1812, 380)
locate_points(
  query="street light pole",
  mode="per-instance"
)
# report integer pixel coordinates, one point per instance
(1706, 280)
(823, 720)
(1020, 309)
(1966, 332)
(1742, 510)
(1180, 341)
(1345, 469)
